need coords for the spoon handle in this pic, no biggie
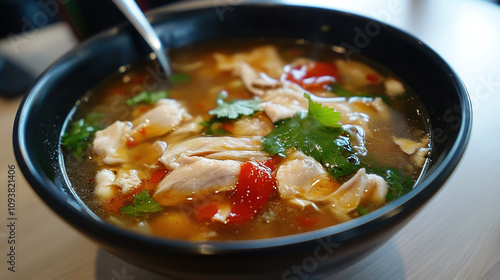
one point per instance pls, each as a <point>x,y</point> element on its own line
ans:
<point>134,14</point>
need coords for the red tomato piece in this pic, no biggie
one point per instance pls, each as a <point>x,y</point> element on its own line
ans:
<point>372,78</point>
<point>255,185</point>
<point>313,75</point>
<point>206,212</point>
<point>157,176</point>
<point>306,222</point>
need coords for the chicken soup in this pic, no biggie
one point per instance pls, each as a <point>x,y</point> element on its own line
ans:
<point>248,139</point>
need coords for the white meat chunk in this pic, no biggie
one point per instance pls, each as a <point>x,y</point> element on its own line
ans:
<point>393,87</point>
<point>353,74</point>
<point>418,151</point>
<point>256,83</point>
<point>263,58</point>
<point>301,178</point>
<point>256,125</point>
<point>360,188</point>
<point>297,175</point>
<point>107,182</point>
<point>104,179</point>
<point>196,175</point>
<point>128,180</point>
<point>232,148</point>
<point>164,117</point>
<point>284,102</point>
<point>108,140</point>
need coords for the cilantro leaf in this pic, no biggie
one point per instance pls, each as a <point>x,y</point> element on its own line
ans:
<point>340,91</point>
<point>179,78</point>
<point>77,138</point>
<point>143,203</point>
<point>235,108</point>
<point>318,134</point>
<point>147,97</point>
<point>398,184</point>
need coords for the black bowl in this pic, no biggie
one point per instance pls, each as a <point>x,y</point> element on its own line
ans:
<point>310,255</point>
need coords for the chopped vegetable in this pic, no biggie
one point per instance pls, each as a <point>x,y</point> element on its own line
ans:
<point>340,91</point>
<point>313,75</point>
<point>398,184</point>
<point>77,139</point>
<point>206,211</point>
<point>236,108</point>
<point>362,210</point>
<point>318,134</point>
<point>180,78</point>
<point>221,122</point>
<point>143,203</point>
<point>306,222</point>
<point>215,126</point>
<point>254,186</point>
<point>147,97</point>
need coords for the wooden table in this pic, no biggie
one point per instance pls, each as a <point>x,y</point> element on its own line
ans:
<point>456,235</point>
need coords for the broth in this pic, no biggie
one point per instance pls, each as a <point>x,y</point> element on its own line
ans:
<point>129,167</point>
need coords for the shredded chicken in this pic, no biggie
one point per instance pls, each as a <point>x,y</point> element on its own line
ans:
<point>301,177</point>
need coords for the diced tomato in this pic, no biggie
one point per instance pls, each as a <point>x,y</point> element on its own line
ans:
<point>130,142</point>
<point>254,186</point>
<point>157,176</point>
<point>307,222</point>
<point>206,212</point>
<point>372,78</point>
<point>228,126</point>
<point>114,204</point>
<point>313,75</point>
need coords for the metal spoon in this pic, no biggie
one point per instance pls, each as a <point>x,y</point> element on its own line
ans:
<point>134,14</point>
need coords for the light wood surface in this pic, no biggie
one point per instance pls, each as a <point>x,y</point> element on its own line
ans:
<point>456,235</point>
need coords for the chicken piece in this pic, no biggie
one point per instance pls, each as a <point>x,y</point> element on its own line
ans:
<point>298,175</point>
<point>163,118</point>
<point>284,102</point>
<point>256,83</point>
<point>231,148</point>
<point>301,177</point>
<point>393,87</point>
<point>108,181</point>
<point>166,115</point>
<point>264,58</point>
<point>104,180</point>
<point>354,74</point>
<point>358,190</point>
<point>418,151</point>
<point>259,125</point>
<point>196,176</point>
<point>108,140</point>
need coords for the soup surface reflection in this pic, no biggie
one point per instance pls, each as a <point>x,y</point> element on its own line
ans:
<point>248,140</point>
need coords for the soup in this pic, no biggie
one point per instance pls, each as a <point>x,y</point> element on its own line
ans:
<point>249,139</point>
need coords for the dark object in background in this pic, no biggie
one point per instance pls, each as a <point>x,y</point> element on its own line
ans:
<point>88,17</point>
<point>18,16</point>
<point>14,80</point>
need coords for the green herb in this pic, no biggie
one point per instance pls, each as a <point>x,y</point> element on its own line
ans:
<point>362,210</point>
<point>180,78</point>
<point>340,91</point>
<point>212,126</point>
<point>147,97</point>
<point>228,111</point>
<point>143,203</point>
<point>77,138</point>
<point>398,184</point>
<point>235,108</point>
<point>318,134</point>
